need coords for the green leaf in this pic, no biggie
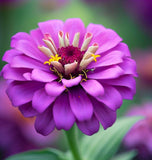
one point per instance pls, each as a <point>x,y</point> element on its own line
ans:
<point>125,156</point>
<point>104,144</point>
<point>46,154</point>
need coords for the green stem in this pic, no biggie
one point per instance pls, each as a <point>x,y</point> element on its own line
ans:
<point>73,145</point>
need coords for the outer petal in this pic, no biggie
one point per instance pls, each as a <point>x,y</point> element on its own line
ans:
<point>106,38</point>
<point>27,110</point>
<point>108,73</point>
<point>42,76</point>
<point>37,36</point>
<point>52,27</point>
<point>80,104</point>
<point>93,87</point>
<point>73,26</point>
<point>126,93</point>
<point>20,36</point>
<point>105,115</point>
<point>54,89</point>
<point>41,100</point>
<point>14,73</point>
<point>123,48</point>
<point>63,116</point>
<point>125,85</point>
<point>129,66</point>
<point>112,58</point>
<point>44,123</point>
<point>31,50</point>
<point>10,54</point>
<point>89,127</point>
<point>26,62</point>
<point>72,82</point>
<point>111,98</point>
<point>23,92</point>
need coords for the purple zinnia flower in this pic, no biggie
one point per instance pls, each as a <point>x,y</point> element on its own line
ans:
<point>64,73</point>
<point>140,136</point>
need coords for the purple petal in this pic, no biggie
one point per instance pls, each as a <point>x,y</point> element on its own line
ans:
<point>89,127</point>
<point>126,93</point>
<point>63,116</point>
<point>105,115</point>
<point>114,57</point>
<point>95,29</point>
<point>27,76</point>
<point>54,89</point>
<point>44,123</point>
<point>10,54</point>
<point>71,82</point>
<point>109,73</point>
<point>22,92</point>
<point>20,36</point>
<point>37,36</point>
<point>123,48</point>
<point>129,66</point>
<point>126,85</point>
<point>41,100</point>
<point>26,62</point>
<point>42,76</point>
<point>80,104</point>
<point>93,87</point>
<point>31,50</point>
<point>14,73</point>
<point>27,110</point>
<point>73,26</point>
<point>111,98</point>
<point>106,38</point>
<point>52,27</point>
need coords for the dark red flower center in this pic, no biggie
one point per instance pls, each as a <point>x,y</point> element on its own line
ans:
<point>70,54</point>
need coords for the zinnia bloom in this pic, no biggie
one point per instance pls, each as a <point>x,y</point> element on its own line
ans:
<point>64,73</point>
<point>140,136</point>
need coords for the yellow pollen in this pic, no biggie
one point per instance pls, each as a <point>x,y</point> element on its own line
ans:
<point>53,58</point>
<point>95,56</point>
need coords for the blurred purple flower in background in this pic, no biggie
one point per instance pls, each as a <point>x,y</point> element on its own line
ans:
<point>144,65</point>
<point>64,73</point>
<point>140,136</point>
<point>10,3</point>
<point>17,133</point>
<point>141,10</point>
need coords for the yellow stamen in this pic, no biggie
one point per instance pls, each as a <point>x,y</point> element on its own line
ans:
<point>47,62</point>
<point>95,56</point>
<point>53,58</point>
<point>85,74</point>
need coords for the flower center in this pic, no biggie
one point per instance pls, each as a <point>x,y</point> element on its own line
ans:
<point>70,54</point>
<point>69,61</point>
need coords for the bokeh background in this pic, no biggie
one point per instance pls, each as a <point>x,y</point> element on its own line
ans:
<point>131,19</point>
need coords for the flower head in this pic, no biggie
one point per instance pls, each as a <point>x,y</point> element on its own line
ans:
<point>64,73</point>
<point>140,136</point>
